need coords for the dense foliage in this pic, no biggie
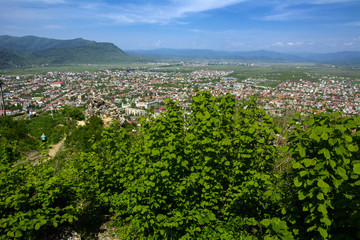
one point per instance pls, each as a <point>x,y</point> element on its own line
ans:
<point>73,113</point>
<point>325,176</point>
<point>210,174</point>
<point>82,137</point>
<point>16,133</point>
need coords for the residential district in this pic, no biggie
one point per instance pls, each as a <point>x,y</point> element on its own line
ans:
<point>139,92</point>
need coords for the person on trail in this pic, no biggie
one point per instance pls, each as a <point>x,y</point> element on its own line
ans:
<point>43,138</point>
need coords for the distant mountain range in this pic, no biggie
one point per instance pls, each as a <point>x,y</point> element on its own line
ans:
<point>259,56</point>
<point>32,50</point>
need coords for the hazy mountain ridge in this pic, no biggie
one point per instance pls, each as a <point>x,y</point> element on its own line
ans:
<point>337,57</point>
<point>23,45</point>
<point>30,50</point>
<point>37,50</point>
<point>260,55</point>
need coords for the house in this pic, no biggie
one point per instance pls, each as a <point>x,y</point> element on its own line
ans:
<point>134,111</point>
<point>146,105</point>
<point>57,84</point>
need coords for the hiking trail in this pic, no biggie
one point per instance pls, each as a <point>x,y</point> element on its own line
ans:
<point>56,147</point>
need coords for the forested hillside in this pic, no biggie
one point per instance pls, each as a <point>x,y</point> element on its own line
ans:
<point>27,44</point>
<point>225,171</point>
<point>90,54</point>
<point>32,50</point>
<point>8,60</point>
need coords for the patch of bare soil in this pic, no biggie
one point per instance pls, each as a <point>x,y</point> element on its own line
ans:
<point>81,123</point>
<point>56,148</point>
<point>104,234</point>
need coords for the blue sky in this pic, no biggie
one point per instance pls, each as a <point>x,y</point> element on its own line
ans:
<point>231,25</point>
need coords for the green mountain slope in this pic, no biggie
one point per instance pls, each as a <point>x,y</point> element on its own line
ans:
<point>37,50</point>
<point>8,60</point>
<point>89,54</point>
<point>23,45</point>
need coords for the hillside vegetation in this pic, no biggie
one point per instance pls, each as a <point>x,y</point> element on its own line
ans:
<point>39,51</point>
<point>10,60</point>
<point>104,53</point>
<point>27,44</point>
<point>226,171</point>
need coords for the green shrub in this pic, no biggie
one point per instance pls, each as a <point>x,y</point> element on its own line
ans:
<point>210,174</point>
<point>325,175</point>
<point>34,201</point>
<point>11,129</point>
<point>82,137</point>
<point>190,174</point>
<point>73,112</point>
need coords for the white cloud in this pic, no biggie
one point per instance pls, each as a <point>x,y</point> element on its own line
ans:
<point>283,13</point>
<point>40,1</point>
<point>311,2</point>
<point>279,17</point>
<point>163,13</point>
<point>237,44</point>
<point>90,5</point>
<point>53,27</point>
<point>193,6</point>
<point>328,1</point>
<point>294,43</point>
<point>157,44</point>
<point>352,24</point>
<point>290,44</point>
<point>279,44</point>
<point>181,23</point>
<point>288,9</point>
<point>53,1</point>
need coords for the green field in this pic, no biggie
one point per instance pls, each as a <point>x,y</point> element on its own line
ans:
<point>269,74</point>
<point>273,71</point>
<point>69,68</point>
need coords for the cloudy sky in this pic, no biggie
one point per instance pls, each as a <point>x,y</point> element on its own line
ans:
<point>232,25</point>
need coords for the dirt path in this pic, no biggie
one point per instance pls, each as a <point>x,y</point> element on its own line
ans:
<point>81,123</point>
<point>56,148</point>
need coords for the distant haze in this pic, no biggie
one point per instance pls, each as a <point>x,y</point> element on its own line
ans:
<point>28,50</point>
<point>321,26</point>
